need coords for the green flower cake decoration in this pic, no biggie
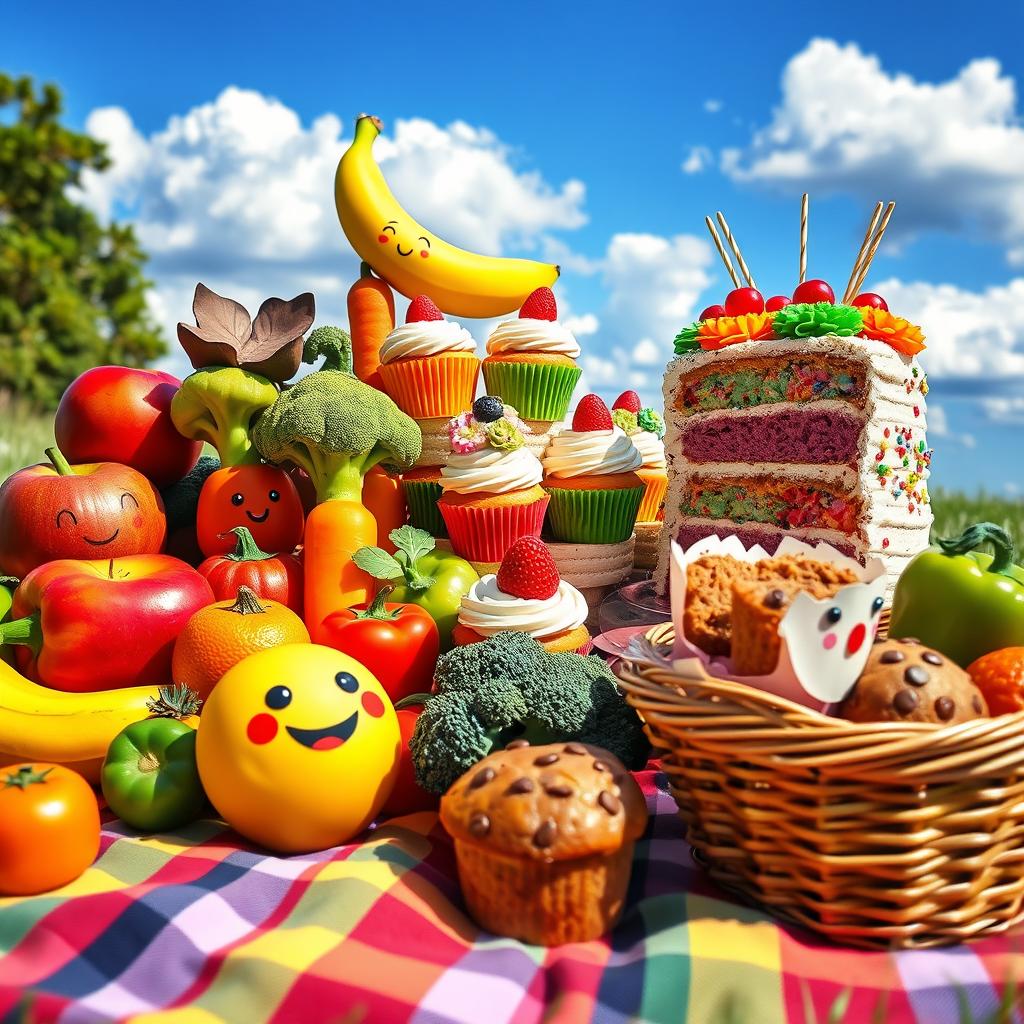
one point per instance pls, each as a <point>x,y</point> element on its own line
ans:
<point>686,339</point>
<point>814,320</point>
<point>504,435</point>
<point>625,420</point>
<point>651,421</point>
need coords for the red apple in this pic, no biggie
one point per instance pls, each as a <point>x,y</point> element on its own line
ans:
<point>120,414</point>
<point>744,300</point>
<point>814,290</point>
<point>712,313</point>
<point>777,302</point>
<point>870,299</point>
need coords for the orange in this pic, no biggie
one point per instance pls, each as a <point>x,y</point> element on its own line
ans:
<point>220,635</point>
<point>1000,677</point>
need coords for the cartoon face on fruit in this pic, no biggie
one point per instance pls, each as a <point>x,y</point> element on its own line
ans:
<point>389,235</point>
<point>298,747</point>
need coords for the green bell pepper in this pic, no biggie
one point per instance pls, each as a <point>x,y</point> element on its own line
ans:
<point>960,601</point>
<point>150,778</point>
<point>8,584</point>
<point>435,580</point>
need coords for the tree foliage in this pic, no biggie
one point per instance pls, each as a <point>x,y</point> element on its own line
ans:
<point>72,290</point>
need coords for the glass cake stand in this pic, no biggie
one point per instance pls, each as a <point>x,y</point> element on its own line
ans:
<point>625,612</point>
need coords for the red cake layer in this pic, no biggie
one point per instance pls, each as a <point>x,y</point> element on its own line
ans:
<point>795,435</point>
<point>693,532</point>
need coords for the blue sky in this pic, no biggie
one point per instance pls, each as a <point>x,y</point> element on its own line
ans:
<point>590,135</point>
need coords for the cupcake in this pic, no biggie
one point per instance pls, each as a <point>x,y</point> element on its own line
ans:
<point>528,596</point>
<point>544,839</point>
<point>531,360</point>
<point>590,474</point>
<point>429,365</point>
<point>422,488</point>
<point>490,486</point>
<point>645,428</point>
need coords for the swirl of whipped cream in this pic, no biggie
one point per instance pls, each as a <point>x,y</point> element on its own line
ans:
<point>528,335</point>
<point>425,338</point>
<point>580,453</point>
<point>487,610</point>
<point>651,448</point>
<point>491,470</point>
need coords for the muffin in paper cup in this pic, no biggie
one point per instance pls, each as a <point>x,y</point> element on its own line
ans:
<point>539,386</point>
<point>594,510</point>
<point>483,528</point>
<point>434,386</point>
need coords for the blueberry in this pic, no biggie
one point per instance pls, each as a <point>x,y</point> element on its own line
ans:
<point>488,409</point>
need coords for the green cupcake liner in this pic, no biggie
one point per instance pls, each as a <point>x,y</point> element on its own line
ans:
<point>537,391</point>
<point>421,497</point>
<point>594,517</point>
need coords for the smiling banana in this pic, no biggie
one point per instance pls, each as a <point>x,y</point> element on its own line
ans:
<point>413,260</point>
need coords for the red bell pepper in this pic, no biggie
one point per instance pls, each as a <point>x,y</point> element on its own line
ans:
<point>86,625</point>
<point>408,795</point>
<point>398,643</point>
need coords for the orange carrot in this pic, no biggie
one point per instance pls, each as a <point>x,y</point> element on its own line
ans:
<point>334,530</point>
<point>383,496</point>
<point>371,317</point>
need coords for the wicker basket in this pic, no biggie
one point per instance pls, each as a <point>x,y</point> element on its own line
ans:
<point>882,835</point>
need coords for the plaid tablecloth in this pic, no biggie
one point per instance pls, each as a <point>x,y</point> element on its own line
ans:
<point>196,928</point>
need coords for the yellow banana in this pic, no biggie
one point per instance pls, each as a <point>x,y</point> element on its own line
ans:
<point>413,260</point>
<point>73,729</point>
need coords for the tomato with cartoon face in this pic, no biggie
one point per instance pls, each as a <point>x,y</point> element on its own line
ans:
<point>261,498</point>
<point>298,748</point>
<point>55,510</point>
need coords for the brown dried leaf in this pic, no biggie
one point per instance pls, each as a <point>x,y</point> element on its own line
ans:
<point>220,318</point>
<point>203,350</point>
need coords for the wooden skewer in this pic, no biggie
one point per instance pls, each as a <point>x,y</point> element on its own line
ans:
<point>803,239</point>
<point>849,293</point>
<point>721,252</point>
<point>874,248</point>
<point>734,245</point>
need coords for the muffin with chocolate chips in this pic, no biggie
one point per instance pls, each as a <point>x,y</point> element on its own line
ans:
<point>904,681</point>
<point>544,840</point>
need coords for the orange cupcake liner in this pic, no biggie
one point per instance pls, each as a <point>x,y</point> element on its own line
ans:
<point>656,484</point>
<point>433,387</point>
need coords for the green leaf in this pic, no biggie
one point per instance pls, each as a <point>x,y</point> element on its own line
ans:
<point>413,543</point>
<point>378,563</point>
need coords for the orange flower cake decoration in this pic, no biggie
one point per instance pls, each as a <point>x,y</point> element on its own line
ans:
<point>896,332</point>
<point>731,330</point>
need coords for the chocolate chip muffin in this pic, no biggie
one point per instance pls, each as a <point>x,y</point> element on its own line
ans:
<point>904,681</point>
<point>544,840</point>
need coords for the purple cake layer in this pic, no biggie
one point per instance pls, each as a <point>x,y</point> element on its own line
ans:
<point>693,532</point>
<point>805,436</point>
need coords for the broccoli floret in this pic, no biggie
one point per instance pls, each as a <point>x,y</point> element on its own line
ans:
<point>333,344</point>
<point>508,687</point>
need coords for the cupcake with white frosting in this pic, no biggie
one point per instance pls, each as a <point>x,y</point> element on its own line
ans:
<point>526,595</point>
<point>429,365</point>
<point>490,486</point>
<point>645,428</point>
<point>531,360</point>
<point>590,473</point>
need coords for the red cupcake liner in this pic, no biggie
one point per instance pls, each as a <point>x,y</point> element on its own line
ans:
<point>485,534</point>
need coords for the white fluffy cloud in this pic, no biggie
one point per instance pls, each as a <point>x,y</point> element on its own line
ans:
<point>938,426</point>
<point>1005,409</point>
<point>949,153</point>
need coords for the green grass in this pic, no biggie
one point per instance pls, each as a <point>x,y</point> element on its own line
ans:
<point>23,435</point>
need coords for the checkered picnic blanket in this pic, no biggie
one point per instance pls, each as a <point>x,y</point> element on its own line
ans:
<point>196,928</point>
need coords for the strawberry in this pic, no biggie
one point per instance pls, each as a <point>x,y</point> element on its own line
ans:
<point>422,308</point>
<point>628,400</point>
<point>528,570</point>
<point>539,305</point>
<point>591,414</point>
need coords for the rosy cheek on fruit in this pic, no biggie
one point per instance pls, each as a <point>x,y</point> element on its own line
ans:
<point>424,253</point>
<point>137,522</point>
<point>372,704</point>
<point>856,638</point>
<point>829,642</point>
<point>262,729</point>
<point>383,239</point>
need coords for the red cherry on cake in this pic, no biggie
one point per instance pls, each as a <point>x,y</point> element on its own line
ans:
<point>712,313</point>
<point>591,414</point>
<point>777,302</point>
<point>421,309</point>
<point>539,305</point>
<point>628,400</point>
<point>870,299</point>
<point>744,300</point>
<point>814,290</point>
<point>528,571</point>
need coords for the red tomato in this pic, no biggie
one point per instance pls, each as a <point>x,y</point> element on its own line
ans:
<point>744,300</point>
<point>273,577</point>
<point>408,796</point>
<point>49,828</point>
<point>814,290</point>
<point>712,312</point>
<point>776,302</point>
<point>398,643</point>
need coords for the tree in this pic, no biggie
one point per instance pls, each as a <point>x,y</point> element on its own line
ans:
<point>72,291</point>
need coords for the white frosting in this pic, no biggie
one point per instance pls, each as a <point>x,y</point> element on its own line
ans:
<point>528,335</point>
<point>487,610</point>
<point>493,471</point>
<point>425,338</point>
<point>580,453</point>
<point>650,447</point>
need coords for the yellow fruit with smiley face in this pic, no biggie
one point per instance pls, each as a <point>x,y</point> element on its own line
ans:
<point>298,747</point>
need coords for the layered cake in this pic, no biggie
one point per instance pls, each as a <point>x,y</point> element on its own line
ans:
<point>808,421</point>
